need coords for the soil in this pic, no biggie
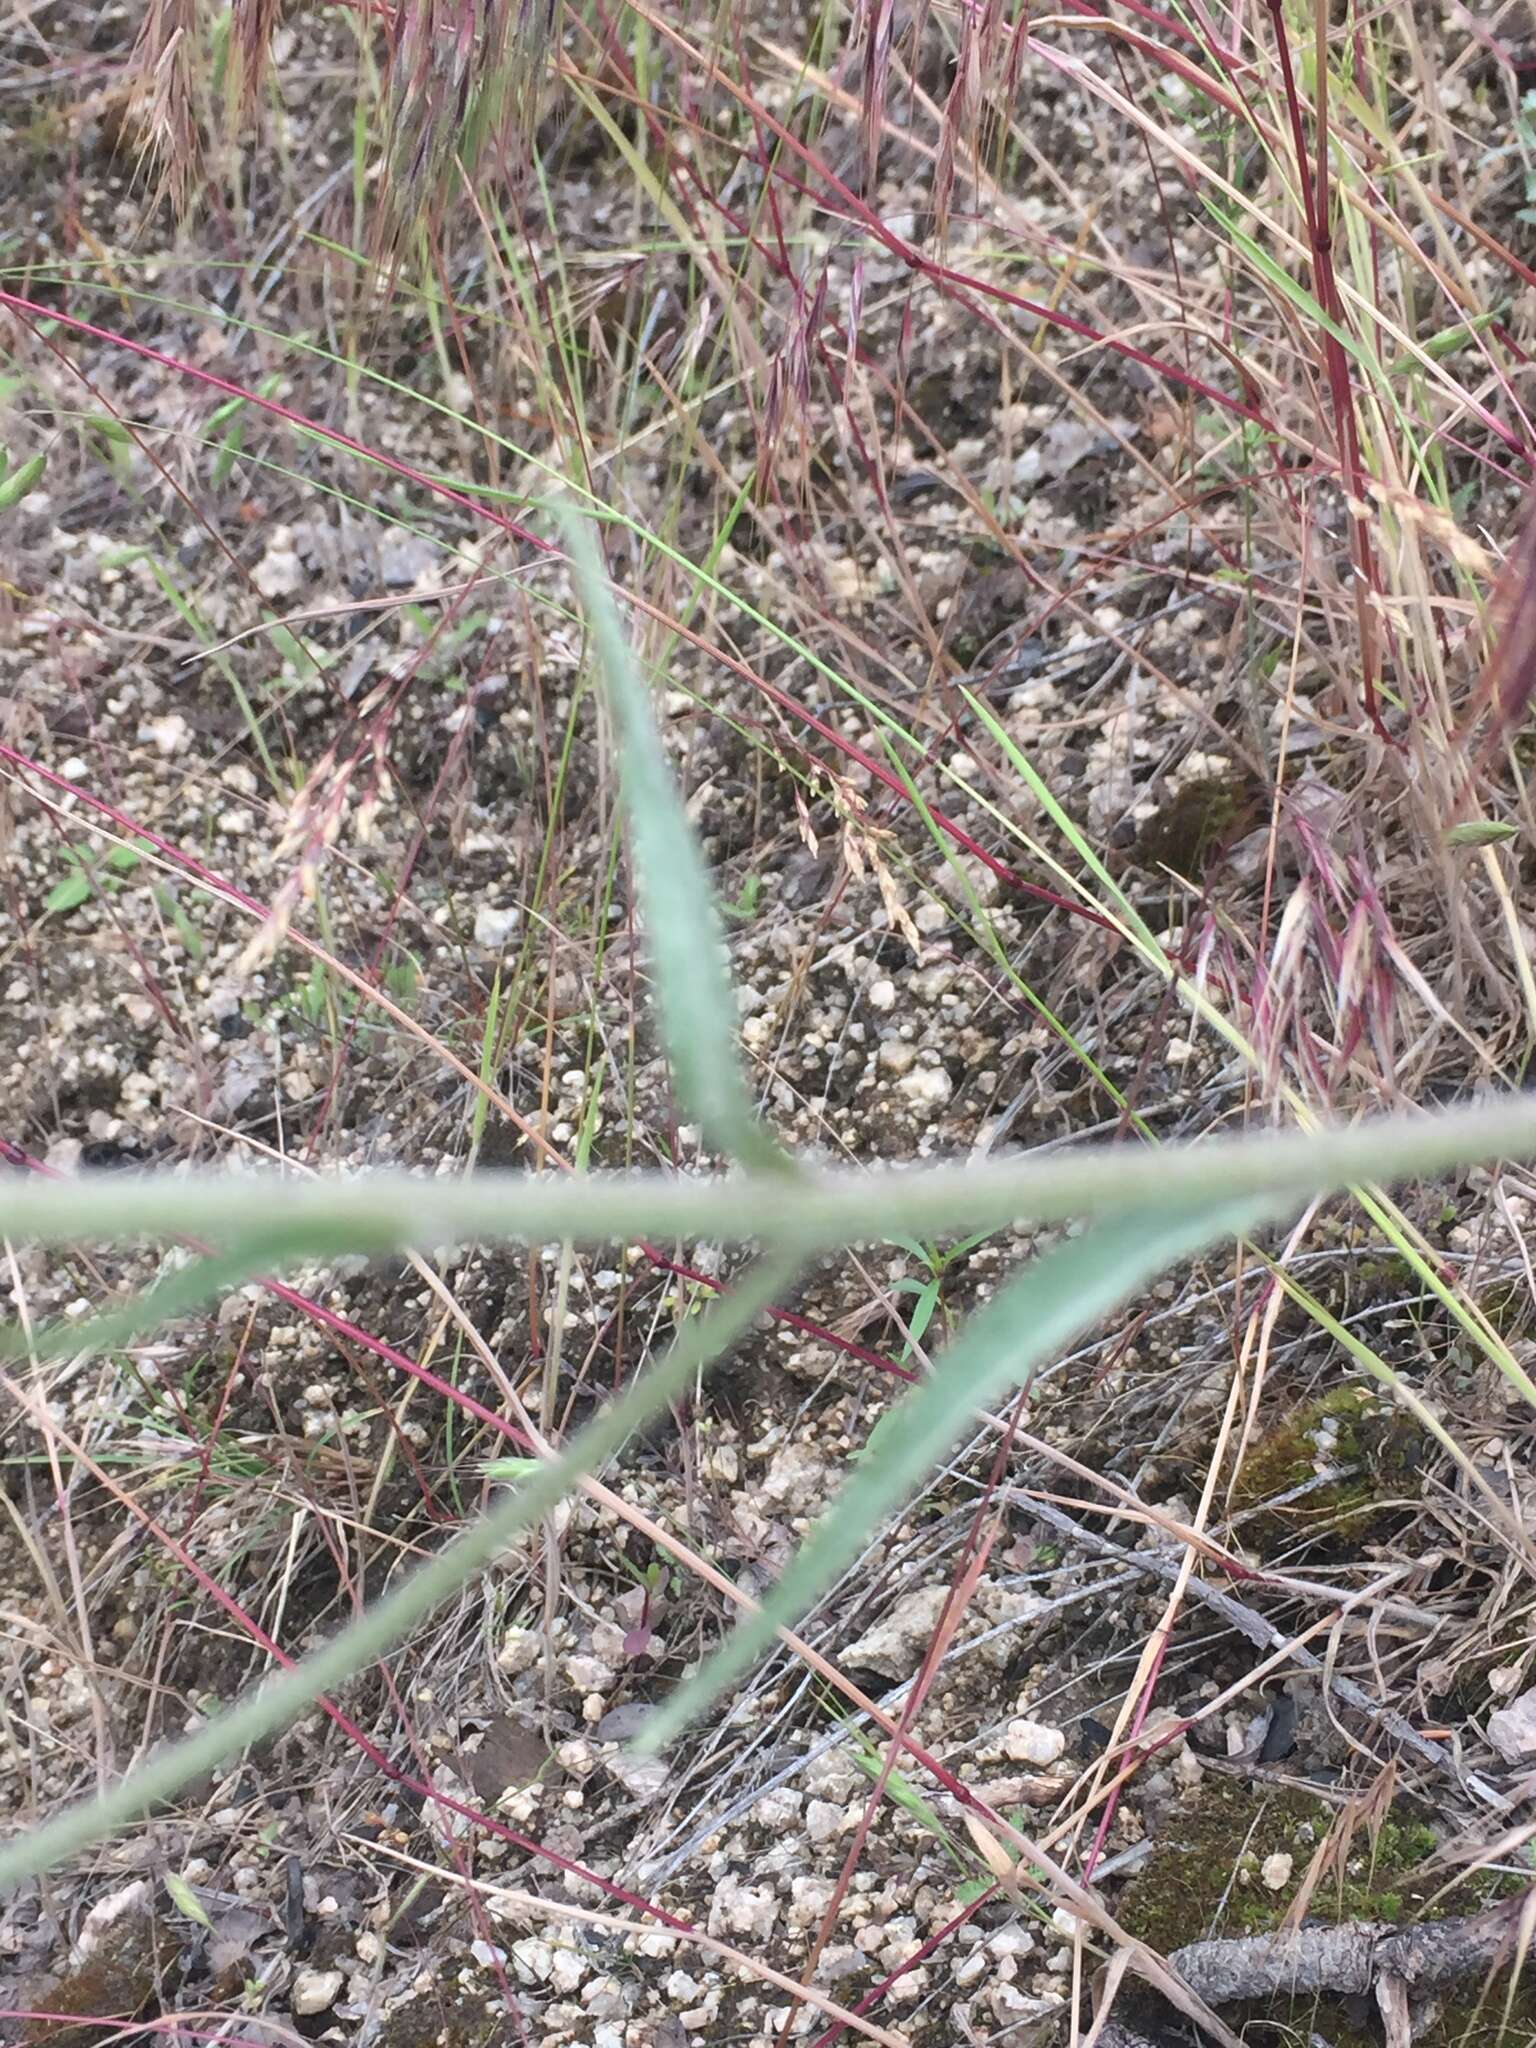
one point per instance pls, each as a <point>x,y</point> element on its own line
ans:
<point>287,733</point>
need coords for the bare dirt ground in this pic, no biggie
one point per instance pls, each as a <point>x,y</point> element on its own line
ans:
<point>310,835</point>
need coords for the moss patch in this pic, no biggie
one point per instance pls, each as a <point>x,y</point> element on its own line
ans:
<point>1198,824</point>
<point>1205,1881</point>
<point>1374,1448</point>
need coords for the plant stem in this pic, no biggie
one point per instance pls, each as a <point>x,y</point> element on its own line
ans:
<point>396,1210</point>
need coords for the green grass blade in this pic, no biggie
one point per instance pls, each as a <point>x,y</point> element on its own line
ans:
<point>1057,1296</point>
<point>172,1297</point>
<point>694,1002</point>
<point>382,1624</point>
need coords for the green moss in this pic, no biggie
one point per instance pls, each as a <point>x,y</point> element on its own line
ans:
<point>1205,1880</point>
<point>1374,1447</point>
<point>1198,824</point>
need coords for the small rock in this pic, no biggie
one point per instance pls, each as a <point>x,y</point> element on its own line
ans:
<point>927,1087</point>
<point>406,558</point>
<point>720,1461</point>
<point>809,1897</point>
<point>622,1724</point>
<point>169,734</point>
<point>823,1820</point>
<point>738,1908</point>
<point>604,1999</point>
<point>315,1990</point>
<point>641,1776</point>
<point>1188,1770</point>
<point>278,574</point>
<point>494,925</point>
<point>1276,1871</point>
<point>589,1674</point>
<point>1009,2007</point>
<point>1033,1742</point>
<point>567,1970</point>
<point>1512,1730</point>
<point>798,1477</point>
<point>533,1959</point>
<point>895,1646</point>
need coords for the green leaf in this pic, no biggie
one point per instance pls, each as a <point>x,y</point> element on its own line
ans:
<point>510,1469</point>
<point>185,1899</point>
<point>922,1315</point>
<point>186,930</point>
<point>386,1620</point>
<point>1446,342</point>
<point>176,1295</point>
<point>15,484</point>
<point>69,894</point>
<point>903,1792</point>
<point>923,1253</point>
<point>1481,832</point>
<point>1058,1295</point>
<point>108,429</point>
<point>695,1005</point>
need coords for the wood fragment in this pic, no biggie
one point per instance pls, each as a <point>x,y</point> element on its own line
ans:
<point>1349,1961</point>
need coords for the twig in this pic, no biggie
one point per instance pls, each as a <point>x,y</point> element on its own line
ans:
<point>1269,1637</point>
<point>1348,1960</point>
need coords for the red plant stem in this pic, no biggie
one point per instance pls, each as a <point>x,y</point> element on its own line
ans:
<point>1314,198</point>
<point>30,310</point>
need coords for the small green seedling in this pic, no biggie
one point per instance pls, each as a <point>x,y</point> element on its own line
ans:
<point>87,877</point>
<point>15,483</point>
<point>937,1261</point>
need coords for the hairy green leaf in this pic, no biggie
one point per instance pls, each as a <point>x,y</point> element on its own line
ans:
<point>695,1006</point>
<point>381,1625</point>
<point>1058,1295</point>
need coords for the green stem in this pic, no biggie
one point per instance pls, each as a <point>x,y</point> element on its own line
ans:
<point>375,1211</point>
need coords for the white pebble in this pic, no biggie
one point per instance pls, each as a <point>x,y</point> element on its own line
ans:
<point>1032,1742</point>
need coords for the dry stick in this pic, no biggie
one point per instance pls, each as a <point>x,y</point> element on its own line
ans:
<point>1348,1960</point>
<point>1267,1636</point>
